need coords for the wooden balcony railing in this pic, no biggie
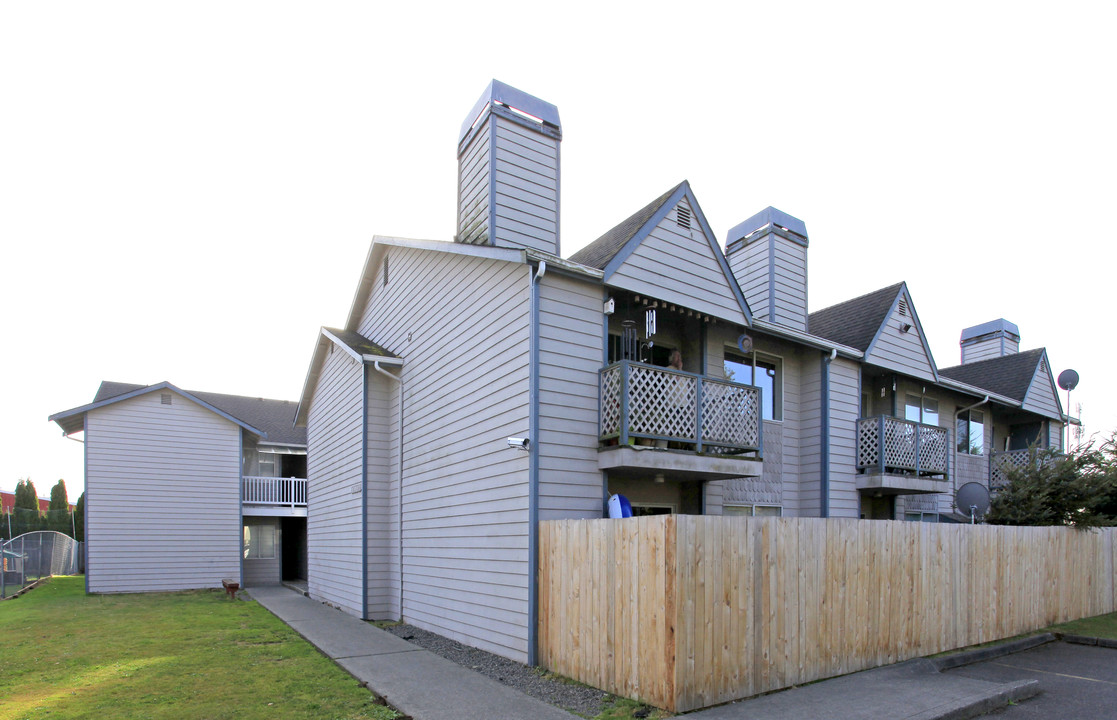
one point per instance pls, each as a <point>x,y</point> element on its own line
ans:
<point>891,445</point>
<point>645,401</point>
<point>287,492</point>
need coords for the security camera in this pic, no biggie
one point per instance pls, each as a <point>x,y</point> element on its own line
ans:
<point>518,443</point>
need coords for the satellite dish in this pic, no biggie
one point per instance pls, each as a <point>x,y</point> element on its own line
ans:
<point>972,499</point>
<point>1068,380</point>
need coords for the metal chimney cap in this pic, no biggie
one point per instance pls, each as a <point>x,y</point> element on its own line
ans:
<point>992,327</point>
<point>502,94</point>
<point>768,216</point>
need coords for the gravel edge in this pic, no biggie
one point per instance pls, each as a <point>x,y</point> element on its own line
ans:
<point>573,697</point>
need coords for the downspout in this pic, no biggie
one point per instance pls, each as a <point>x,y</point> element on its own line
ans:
<point>533,472</point>
<point>399,382</point>
<point>240,504</point>
<point>824,469</point>
<point>84,507</point>
<point>364,491</point>
<point>954,475</point>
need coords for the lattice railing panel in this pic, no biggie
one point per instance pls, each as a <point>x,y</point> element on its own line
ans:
<point>730,415</point>
<point>661,403</point>
<point>934,448</point>
<point>1000,463</point>
<point>868,442</point>
<point>899,444</point>
<point>611,401</point>
<point>664,404</point>
<point>908,446</point>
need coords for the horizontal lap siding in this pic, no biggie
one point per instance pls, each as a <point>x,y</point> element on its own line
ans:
<point>791,284</point>
<point>164,496</point>
<point>845,402</point>
<point>461,325</point>
<point>526,186</point>
<point>1041,396</point>
<point>810,465</point>
<point>679,266</point>
<point>473,191</point>
<point>569,361</point>
<point>382,523</point>
<point>750,266</point>
<point>334,469</point>
<point>900,351</point>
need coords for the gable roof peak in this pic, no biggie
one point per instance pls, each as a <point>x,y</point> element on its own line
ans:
<point>601,251</point>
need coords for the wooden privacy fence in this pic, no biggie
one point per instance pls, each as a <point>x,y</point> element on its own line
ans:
<point>684,612</point>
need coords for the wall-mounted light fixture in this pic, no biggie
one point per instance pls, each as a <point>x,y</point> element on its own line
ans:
<point>906,327</point>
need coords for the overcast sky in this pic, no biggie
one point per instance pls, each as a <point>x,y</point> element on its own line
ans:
<point>188,190</point>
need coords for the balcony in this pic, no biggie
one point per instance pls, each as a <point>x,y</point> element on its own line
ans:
<point>1001,462</point>
<point>273,496</point>
<point>705,428</point>
<point>899,456</point>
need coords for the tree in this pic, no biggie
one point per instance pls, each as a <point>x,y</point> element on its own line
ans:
<point>58,512</point>
<point>79,519</point>
<point>1078,489</point>
<point>26,508</point>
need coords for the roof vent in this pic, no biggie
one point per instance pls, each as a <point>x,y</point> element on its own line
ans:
<point>682,217</point>
<point>165,398</point>
<point>903,307</point>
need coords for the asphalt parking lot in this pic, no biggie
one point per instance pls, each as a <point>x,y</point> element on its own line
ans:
<point>1077,681</point>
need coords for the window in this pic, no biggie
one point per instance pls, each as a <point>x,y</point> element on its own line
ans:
<point>646,509</point>
<point>753,510</point>
<point>259,542</point>
<point>267,464</point>
<point>921,517</point>
<point>921,410</point>
<point>763,372</point>
<point>971,432</point>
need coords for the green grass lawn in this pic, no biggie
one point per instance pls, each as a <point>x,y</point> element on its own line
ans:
<point>1102,626</point>
<point>65,654</point>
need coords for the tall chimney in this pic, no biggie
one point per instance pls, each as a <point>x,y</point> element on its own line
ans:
<point>768,255</point>
<point>508,171</point>
<point>993,339</point>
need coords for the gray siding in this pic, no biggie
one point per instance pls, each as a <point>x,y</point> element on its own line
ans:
<point>570,355</point>
<point>526,183</point>
<point>1055,435</point>
<point>989,348</point>
<point>845,402</point>
<point>508,187</point>
<point>164,496</point>
<point>383,501</point>
<point>263,571</point>
<point>810,467</point>
<point>334,467</point>
<point>678,266</point>
<point>462,326</point>
<point>901,351</point>
<point>473,191</point>
<point>772,273</point>
<point>1041,398</point>
<point>779,484</point>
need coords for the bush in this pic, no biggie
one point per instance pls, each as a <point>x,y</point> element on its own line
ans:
<point>1078,489</point>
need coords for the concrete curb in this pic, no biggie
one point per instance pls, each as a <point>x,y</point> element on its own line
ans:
<point>1086,640</point>
<point>1012,692</point>
<point>989,653</point>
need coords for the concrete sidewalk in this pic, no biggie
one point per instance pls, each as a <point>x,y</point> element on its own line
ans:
<point>429,687</point>
<point>912,690</point>
<point>413,680</point>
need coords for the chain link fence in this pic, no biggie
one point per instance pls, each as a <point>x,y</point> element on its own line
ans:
<point>33,556</point>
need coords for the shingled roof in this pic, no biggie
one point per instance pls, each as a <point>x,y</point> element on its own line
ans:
<point>274,417</point>
<point>1010,375</point>
<point>601,251</point>
<point>854,322</point>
